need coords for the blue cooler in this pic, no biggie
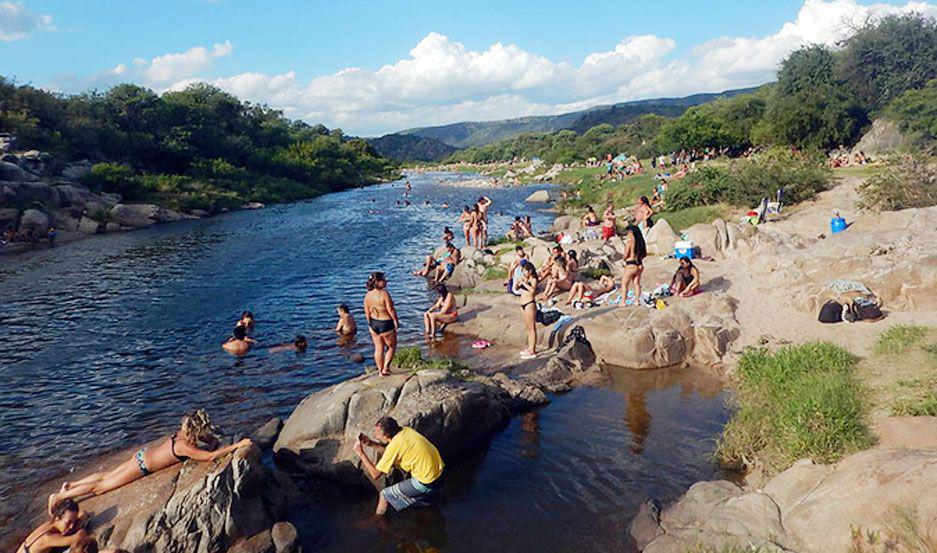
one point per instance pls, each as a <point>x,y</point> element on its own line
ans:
<point>837,224</point>
<point>683,249</point>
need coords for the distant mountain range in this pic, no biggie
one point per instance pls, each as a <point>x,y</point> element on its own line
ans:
<point>434,143</point>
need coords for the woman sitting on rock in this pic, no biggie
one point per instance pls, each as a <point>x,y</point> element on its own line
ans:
<point>590,219</point>
<point>179,447</point>
<point>447,264</point>
<point>584,292</point>
<point>64,530</point>
<point>686,280</point>
<point>445,311</point>
<point>560,279</point>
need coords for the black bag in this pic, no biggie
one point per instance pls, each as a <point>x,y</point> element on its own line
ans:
<point>548,317</point>
<point>831,312</point>
<point>865,310</point>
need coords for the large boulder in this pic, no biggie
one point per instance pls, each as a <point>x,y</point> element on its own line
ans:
<point>808,508</point>
<point>13,172</point>
<point>464,276</point>
<point>884,136</point>
<point>194,506</point>
<point>538,197</point>
<point>660,238</point>
<point>76,171</point>
<point>141,215</point>
<point>35,221</point>
<point>318,437</point>
<point>9,217</point>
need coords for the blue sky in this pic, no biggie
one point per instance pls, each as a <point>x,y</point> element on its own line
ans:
<point>375,67</point>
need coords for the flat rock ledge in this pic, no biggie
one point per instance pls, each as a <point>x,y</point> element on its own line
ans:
<point>204,507</point>
<point>807,508</point>
<point>453,411</point>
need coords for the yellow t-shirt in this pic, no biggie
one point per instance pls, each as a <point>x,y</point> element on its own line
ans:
<point>413,453</point>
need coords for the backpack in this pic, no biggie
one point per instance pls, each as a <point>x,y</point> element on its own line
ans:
<point>865,310</point>
<point>548,317</point>
<point>831,312</point>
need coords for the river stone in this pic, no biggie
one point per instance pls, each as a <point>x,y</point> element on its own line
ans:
<point>36,221</point>
<point>284,537</point>
<point>645,526</point>
<point>76,171</point>
<point>134,215</point>
<point>192,506</point>
<point>13,172</point>
<point>660,238</point>
<point>88,226</point>
<point>464,276</point>
<point>540,196</point>
<point>261,542</point>
<point>266,435</point>
<point>317,438</point>
<point>112,227</point>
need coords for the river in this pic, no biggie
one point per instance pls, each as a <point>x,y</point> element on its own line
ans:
<point>106,342</point>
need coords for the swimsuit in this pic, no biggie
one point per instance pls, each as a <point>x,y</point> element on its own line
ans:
<point>179,458</point>
<point>141,462</point>
<point>381,326</point>
<point>634,262</point>
<point>524,305</point>
<point>26,547</point>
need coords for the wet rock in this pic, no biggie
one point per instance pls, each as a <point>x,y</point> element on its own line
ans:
<point>645,526</point>
<point>89,226</point>
<point>284,537</point>
<point>356,358</point>
<point>266,435</point>
<point>193,506</point>
<point>134,215</point>
<point>253,205</point>
<point>317,438</point>
<point>540,196</point>
<point>568,367</point>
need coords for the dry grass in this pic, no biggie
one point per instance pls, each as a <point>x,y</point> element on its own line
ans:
<point>902,372</point>
<point>902,531</point>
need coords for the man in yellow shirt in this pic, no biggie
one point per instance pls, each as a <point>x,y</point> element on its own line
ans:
<point>408,450</point>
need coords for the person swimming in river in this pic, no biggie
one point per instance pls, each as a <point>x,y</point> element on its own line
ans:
<point>299,345</point>
<point>528,289</point>
<point>62,530</point>
<point>443,311</point>
<point>238,343</point>
<point>346,322</point>
<point>382,322</point>
<point>247,321</point>
<point>686,281</point>
<point>174,449</point>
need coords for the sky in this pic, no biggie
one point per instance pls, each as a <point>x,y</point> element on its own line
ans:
<point>377,67</point>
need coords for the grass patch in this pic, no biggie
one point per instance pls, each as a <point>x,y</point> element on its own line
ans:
<point>925,406</point>
<point>683,219</point>
<point>495,273</point>
<point>594,274</point>
<point>504,240</point>
<point>902,531</point>
<point>899,339</point>
<point>800,401</point>
<point>411,357</point>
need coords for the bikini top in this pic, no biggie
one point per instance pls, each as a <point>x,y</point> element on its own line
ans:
<point>182,458</point>
<point>27,546</point>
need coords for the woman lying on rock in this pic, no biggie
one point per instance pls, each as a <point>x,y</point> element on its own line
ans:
<point>175,449</point>
<point>686,280</point>
<point>585,292</point>
<point>64,530</point>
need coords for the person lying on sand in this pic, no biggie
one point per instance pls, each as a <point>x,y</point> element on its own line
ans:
<point>177,448</point>
<point>442,311</point>
<point>239,344</point>
<point>346,323</point>
<point>686,280</point>
<point>61,531</point>
<point>581,291</point>
<point>299,344</point>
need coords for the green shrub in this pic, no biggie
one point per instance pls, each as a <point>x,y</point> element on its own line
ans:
<point>411,357</point>
<point>801,401</point>
<point>112,178</point>
<point>594,274</point>
<point>915,111</point>
<point>907,184</point>
<point>496,273</point>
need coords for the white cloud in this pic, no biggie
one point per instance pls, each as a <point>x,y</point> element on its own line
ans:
<point>442,81</point>
<point>17,23</point>
<point>170,68</point>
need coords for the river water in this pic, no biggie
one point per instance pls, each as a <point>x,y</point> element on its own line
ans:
<point>106,342</point>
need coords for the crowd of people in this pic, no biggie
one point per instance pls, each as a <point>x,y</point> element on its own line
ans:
<point>841,157</point>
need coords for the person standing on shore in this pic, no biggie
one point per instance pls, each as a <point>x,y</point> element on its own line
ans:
<point>408,450</point>
<point>484,202</point>
<point>635,252</point>
<point>528,290</point>
<point>382,322</point>
<point>466,219</point>
<point>608,223</point>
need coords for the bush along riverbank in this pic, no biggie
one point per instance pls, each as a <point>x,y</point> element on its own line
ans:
<point>67,161</point>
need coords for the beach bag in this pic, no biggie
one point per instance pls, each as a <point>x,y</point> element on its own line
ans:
<point>865,310</point>
<point>831,312</point>
<point>548,317</point>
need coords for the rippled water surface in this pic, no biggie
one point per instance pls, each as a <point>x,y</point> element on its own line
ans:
<point>105,342</point>
<point>566,478</point>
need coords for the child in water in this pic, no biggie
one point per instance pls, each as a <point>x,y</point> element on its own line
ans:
<point>346,326</point>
